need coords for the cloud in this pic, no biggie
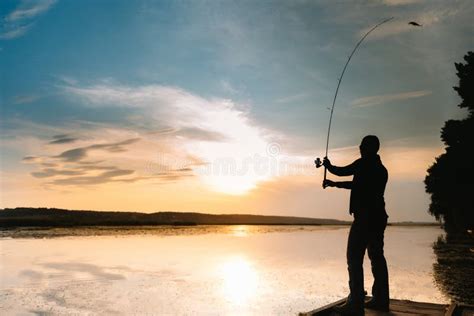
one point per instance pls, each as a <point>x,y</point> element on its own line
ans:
<point>180,111</point>
<point>80,166</point>
<point>92,165</point>
<point>114,147</point>
<point>400,2</point>
<point>20,99</point>
<point>187,138</point>
<point>386,98</point>
<point>228,87</point>
<point>84,174</point>
<point>292,98</point>
<point>49,164</point>
<point>201,134</point>
<point>76,154</point>
<point>50,172</point>
<point>19,21</point>
<point>72,155</point>
<point>214,129</point>
<point>62,139</point>
<point>60,136</point>
<point>107,176</point>
<point>116,173</point>
<point>15,32</point>
<point>71,166</point>
<point>30,159</point>
<point>29,9</point>
<point>113,174</point>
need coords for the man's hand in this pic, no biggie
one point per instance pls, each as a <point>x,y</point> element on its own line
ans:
<point>326,162</point>
<point>328,183</point>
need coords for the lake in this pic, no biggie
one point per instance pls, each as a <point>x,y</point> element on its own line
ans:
<point>204,270</point>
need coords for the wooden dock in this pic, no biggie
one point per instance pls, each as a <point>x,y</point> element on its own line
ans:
<point>402,308</point>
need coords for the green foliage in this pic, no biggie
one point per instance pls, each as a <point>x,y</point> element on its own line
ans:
<point>466,79</point>
<point>450,178</point>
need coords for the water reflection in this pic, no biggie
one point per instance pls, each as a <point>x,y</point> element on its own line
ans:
<point>240,230</point>
<point>273,270</point>
<point>454,268</point>
<point>240,280</point>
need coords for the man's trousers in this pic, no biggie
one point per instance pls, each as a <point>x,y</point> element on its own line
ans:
<point>367,234</point>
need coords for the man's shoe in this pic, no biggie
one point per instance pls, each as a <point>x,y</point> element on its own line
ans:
<point>349,309</point>
<point>376,305</point>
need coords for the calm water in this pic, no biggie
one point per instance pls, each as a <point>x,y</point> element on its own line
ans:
<point>205,270</point>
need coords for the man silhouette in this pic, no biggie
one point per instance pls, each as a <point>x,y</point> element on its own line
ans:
<point>367,230</point>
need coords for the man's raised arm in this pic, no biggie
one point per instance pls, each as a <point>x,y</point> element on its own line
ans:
<point>339,171</point>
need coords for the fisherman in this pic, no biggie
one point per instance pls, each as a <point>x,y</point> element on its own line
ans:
<point>367,230</point>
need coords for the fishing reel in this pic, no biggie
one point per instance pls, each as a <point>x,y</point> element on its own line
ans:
<point>318,163</point>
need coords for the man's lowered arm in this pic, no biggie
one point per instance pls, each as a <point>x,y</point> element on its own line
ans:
<point>338,184</point>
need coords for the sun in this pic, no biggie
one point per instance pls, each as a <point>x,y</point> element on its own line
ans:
<point>233,185</point>
<point>235,168</point>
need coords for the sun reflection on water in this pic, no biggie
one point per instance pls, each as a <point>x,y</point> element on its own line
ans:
<point>240,280</point>
<point>240,230</point>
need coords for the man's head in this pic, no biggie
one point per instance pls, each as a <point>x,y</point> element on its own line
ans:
<point>369,146</point>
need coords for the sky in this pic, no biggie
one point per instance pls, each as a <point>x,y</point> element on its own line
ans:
<point>221,106</point>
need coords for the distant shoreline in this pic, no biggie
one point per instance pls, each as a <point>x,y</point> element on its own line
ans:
<point>63,218</point>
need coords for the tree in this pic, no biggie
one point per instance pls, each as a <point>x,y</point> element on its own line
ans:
<point>450,180</point>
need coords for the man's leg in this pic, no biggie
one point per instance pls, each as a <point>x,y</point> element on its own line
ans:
<point>356,245</point>
<point>380,288</point>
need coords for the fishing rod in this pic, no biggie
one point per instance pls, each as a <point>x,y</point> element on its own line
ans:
<point>318,161</point>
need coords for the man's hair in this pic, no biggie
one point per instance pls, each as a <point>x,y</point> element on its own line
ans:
<point>371,143</point>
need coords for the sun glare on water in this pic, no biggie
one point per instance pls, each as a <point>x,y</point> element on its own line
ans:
<point>239,280</point>
<point>240,230</point>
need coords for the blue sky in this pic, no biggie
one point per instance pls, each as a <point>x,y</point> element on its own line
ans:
<point>221,79</point>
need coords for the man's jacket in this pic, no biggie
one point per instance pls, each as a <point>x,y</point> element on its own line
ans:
<point>368,186</point>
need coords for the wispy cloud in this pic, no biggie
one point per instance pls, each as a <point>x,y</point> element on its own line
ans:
<point>62,139</point>
<point>21,99</point>
<point>214,130</point>
<point>292,98</point>
<point>400,2</point>
<point>228,87</point>
<point>19,21</point>
<point>81,167</point>
<point>29,9</point>
<point>29,159</point>
<point>104,177</point>
<point>201,134</point>
<point>76,154</point>
<point>50,172</point>
<point>11,32</point>
<point>386,98</point>
<point>189,138</point>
